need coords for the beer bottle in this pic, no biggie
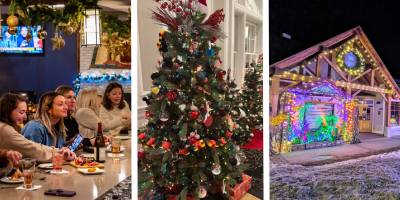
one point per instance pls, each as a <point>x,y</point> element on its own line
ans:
<point>100,145</point>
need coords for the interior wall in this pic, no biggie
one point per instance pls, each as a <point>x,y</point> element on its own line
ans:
<point>40,73</point>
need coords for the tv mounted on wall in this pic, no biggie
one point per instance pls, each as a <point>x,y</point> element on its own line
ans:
<point>18,44</point>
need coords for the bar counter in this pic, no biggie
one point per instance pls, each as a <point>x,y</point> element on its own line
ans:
<point>86,186</point>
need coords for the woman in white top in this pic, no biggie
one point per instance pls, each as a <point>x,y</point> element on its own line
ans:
<point>114,106</point>
<point>87,115</point>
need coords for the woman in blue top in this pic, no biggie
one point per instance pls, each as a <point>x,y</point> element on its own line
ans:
<point>48,126</point>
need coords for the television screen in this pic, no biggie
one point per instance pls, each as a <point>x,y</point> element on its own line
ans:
<point>24,41</point>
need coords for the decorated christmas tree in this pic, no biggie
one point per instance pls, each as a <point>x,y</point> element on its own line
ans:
<point>186,147</point>
<point>250,103</point>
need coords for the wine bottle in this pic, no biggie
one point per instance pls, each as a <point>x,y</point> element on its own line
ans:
<point>100,145</point>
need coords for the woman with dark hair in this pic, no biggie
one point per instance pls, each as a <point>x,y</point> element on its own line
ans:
<point>114,106</point>
<point>71,126</point>
<point>48,125</point>
<point>12,114</point>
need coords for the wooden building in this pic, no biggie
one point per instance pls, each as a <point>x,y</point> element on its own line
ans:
<point>350,62</point>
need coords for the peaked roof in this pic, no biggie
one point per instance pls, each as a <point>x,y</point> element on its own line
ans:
<point>318,88</point>
<point>330,43</point>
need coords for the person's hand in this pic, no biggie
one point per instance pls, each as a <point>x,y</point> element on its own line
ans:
<point>107,139</point>
<point>14,157</point>
<point>68,154</point>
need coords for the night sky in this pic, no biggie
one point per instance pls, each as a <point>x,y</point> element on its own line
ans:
<point>310,22</point>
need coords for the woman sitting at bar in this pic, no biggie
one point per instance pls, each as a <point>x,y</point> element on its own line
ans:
<point>71,126</point>
<point>114,106</point>
<point>87,115</point>
<point>48,126</point>
<point>12,115</point>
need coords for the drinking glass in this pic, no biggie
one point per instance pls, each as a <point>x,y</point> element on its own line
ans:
<point>57,161</point>
<point>28,167</point>
<point>115,145</point>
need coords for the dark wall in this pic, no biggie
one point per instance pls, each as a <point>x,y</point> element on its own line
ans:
<point>40,73</point>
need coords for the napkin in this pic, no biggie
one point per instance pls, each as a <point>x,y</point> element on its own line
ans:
<point>34,187</point>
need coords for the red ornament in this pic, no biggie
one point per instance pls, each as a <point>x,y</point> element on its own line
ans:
<point>183,152</point>
<point>214,39</point>
<point>208,121</point>
<point>221,74</point>
<point>212,143</point>
<point>151,141</point>
<point>164,5</point>
<point>147,114</point>
<point>222,141</point>
<point>228,134</point>
<point>166,145</point>
<point>171,95</point>
<point>141,154</point>
<point>141,136</point>
<point>178,9</point>
<point>194,115</point>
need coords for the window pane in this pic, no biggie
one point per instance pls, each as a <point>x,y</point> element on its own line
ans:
<point>395,113</point>
<point>251,48</point>
<point>91,28</point>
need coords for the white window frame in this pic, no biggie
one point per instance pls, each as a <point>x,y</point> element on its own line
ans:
<point>91,28</point>
<point>253,53</point>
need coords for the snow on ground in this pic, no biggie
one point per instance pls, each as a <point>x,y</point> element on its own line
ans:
<point>373,177</point>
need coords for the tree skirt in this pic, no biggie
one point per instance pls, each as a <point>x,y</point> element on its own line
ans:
<point>257,142</point>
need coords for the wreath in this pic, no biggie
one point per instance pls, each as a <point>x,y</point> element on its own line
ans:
<point>352,70</point>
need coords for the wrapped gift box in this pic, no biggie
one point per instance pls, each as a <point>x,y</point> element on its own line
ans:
<point>237,192</point>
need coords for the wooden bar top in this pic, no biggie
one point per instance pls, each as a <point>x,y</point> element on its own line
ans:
<point>86,186</point>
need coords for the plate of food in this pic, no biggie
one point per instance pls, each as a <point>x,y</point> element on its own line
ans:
<point>92,170</point>
<point>46,166</point>
<point>81,162</point>
<point>15,178</point>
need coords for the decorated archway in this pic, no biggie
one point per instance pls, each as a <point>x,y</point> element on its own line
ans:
<point>316,112</point>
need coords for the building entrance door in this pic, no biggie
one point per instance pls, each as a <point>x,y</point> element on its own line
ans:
<point>365,117</point>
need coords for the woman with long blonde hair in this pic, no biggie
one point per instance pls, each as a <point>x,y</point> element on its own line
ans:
<point>48,125</point>
<point>12,113</point>
<point>87,115</point>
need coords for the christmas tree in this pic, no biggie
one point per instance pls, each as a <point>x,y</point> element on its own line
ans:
<point>186,147</point>
<point>250,105</point>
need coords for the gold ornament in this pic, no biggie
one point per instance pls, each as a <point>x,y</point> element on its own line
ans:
<point>42,34</point>
<point>58,42</point>
<point>114,36</point>
<point>104,38</point>
<point>69,30</point>
<point>12,21</point>
<point>155,90</point>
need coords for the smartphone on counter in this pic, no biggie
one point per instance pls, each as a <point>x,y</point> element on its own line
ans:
<point>60,192</point>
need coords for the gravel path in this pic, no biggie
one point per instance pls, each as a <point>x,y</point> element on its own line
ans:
<point>373,177</point>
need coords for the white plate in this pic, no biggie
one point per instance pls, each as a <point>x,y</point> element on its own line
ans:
<point>122,149</point>
<point>7,180</point>
<point>123,137</point>
<point>115,155</point>
<point>46,166</point>
<point>85,171</point>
